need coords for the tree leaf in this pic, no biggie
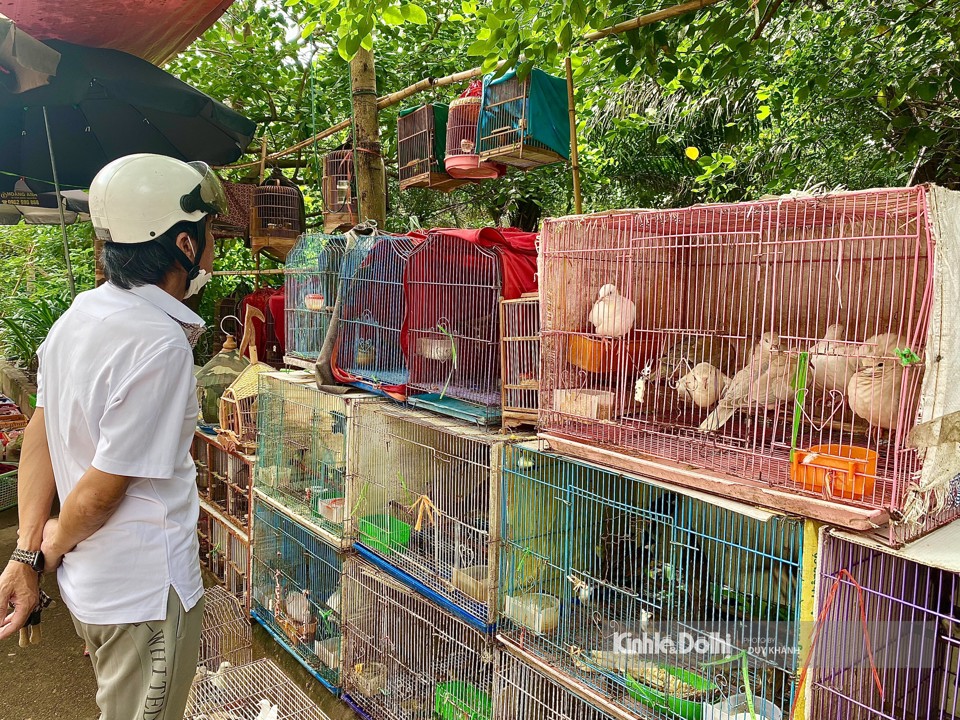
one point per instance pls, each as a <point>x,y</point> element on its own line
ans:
<point>414,13</point>
<point>392,16</point>
<point>692,152</point>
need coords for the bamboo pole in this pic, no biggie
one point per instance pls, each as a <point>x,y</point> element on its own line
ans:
<point>464,75</point>
<point>574,154</point>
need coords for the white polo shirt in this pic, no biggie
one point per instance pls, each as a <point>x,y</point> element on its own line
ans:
<point>117,389</point>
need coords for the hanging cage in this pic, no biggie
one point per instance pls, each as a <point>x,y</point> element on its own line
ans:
<point>311,278</point>
<point>461,159</point>
<point>277,216</point>
<point>339,190</point>
<point>421,146</point>
<point>524,123</point>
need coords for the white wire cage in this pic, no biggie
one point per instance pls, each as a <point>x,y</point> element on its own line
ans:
<point>225,552</point>
<point>255,691</point>
<point>405,657</point>
<point>779,351</point>
<point>297,590</point>
<point>520,360</point>
<point>225,634</point>
<point>302,453</point>
<point>889,630</point>
<point>426,500</point>
<point>598,567</point>
<point>311,277</point>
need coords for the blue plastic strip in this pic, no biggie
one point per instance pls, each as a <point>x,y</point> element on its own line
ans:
<point>428,593</point>
<point>254,613</point>
<point>355,707</point>
<point>459,409</point>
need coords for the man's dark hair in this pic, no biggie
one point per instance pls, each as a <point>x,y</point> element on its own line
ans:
<point>132,265</point>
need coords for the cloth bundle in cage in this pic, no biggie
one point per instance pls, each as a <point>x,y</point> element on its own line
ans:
<point>454,282</point>
<point>369,353</point>
<point>780,351</point>
<point>236,222</point>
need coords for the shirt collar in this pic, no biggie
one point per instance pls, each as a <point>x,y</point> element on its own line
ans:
<point>163,300</point>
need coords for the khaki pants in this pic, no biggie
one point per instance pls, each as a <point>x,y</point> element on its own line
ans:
<point>144,670</point>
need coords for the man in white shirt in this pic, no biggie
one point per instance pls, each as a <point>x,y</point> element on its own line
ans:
<point>116,410</point>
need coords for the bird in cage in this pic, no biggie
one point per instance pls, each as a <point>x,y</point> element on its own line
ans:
<point>876,394</point>
<point>630,544</point>
<point>766,381</point>
<point>832,361</point>
<point>613,315</point>
<point>689,351</point>
<point>268,711</point>
<point>703,386</point>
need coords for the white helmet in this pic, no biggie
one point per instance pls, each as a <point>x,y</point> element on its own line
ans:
<point>137,198</point>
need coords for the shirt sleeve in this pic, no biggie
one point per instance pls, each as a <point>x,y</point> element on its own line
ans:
<point>39,403</point>
<point>142,428</point>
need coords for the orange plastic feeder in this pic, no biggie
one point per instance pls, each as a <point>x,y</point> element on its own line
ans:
<point>605,355</point>
<point>841,471</point>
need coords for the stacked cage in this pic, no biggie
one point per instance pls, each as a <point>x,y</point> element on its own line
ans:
<point>224,480</point>
<point>311,279</point>
<point>454,283</point>
<point>339,190</point>
<point>369,352</point>
<point>257,690</point>
<point>426,492</point>
<point>225,635</point>
<point>421,138</point>
<point>774,351</point>
<point>888,631</point>
<point>520,360</point>
<point>524,123</point>
<point>225,552</point>
<point>597,568</point>
<point>302,459</point>
<point>405,658</point>
<point>296,590</point>
<point>522,691</point>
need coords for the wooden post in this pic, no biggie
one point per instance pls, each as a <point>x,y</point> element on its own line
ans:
<point>574,156</point>
<point>371,179</point>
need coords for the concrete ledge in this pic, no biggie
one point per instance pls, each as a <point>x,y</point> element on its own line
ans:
<point>15,385</point>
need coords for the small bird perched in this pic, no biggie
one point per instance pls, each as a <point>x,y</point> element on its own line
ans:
<point>875,393</point>
<point>765,381</point>
<point>218,678</point>
<point>268,711</point>
<point>833,362</point>
<point>702,386</point>
<point>612,315</point>
<point>879,347</point>
<point>691,350</point>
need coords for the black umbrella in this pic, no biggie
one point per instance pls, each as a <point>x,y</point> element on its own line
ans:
<point>104,104</point>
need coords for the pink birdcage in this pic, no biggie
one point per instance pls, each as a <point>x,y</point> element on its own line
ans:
<point>462,159</point>
<point>774,351</point>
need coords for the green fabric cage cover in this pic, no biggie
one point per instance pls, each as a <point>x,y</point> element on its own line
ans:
<point>547,111</point>
<point>441,112</point>
<point>215,377</point>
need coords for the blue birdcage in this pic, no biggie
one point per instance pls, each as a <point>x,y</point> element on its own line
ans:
<point>369,353</point>
<point>311,278</point>
<point>594,562</point>
<point>296,591</point>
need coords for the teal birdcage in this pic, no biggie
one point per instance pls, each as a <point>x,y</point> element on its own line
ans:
<point>311,278</point>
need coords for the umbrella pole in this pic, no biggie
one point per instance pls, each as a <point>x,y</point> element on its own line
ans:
<point>63,222</point>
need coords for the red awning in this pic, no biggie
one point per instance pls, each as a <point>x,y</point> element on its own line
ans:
<point>155,30</point>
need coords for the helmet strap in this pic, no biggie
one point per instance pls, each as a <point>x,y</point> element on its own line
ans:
<point>191,266</point>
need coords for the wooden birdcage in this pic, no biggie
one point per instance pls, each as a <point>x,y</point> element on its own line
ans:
<point>339,190</point>
<point>224,551</point>
<point>520,360</point>
<point>276,216</point>
<point>524,123</point>
<point>421,138</point>
<point>461,160</point>
<point>238,405</point>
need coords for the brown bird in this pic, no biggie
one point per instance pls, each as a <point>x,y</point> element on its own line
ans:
<point>833,362</point>
<point>876,394</point>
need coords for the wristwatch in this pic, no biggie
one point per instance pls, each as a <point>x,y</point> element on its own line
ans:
<point>34,559</point>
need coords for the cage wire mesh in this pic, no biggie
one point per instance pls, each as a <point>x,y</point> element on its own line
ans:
<point>597,566</point>
<point>311,277</point>
<point>302,457</point>
<point>406,658</point>
<point>425,495</point>
<point>520,360</point>
<point>224,479</point>
<point>913,627</point>
<point>250,692</point>
<point>522,691</point>
<point>373,308</point>
<point>453,295</point>
<point>780,341</point>
<point>296,589</point>
<point>224,552</point>
<point>8,489</point>
<point>225,634</point>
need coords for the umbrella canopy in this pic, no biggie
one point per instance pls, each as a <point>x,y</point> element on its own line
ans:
<point>41,209</point>
<point>25,63</point>
<point>104,104</point>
